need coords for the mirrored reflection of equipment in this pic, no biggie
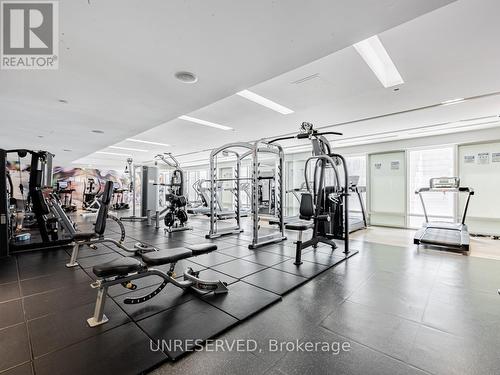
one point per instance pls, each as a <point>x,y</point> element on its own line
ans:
<point>53,227</point>
<point>174,214</point>
<point>443,235</point>
<point>130,169</point>
<point>91,191</point>
<point>119,198</point>
<point>324,208</point>
<point>65,194</point>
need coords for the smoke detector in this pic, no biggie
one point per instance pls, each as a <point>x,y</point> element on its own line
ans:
<point>186,77</point>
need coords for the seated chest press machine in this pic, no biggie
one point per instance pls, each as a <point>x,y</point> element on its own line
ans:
<point>125,269</point>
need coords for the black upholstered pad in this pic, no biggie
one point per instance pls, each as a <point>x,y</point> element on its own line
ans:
<point>299,226</point>
<point>117,267</point>
<point>165,256</point>
<point>202,248</point>
<point>84,236</point>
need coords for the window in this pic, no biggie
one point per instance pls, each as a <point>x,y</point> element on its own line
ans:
<point>424,165</point>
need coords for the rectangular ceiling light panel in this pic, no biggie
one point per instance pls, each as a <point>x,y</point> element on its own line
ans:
<point>247,94</point>
<point>379,61</point>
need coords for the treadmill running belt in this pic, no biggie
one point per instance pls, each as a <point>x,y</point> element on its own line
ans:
<point>442,237</point>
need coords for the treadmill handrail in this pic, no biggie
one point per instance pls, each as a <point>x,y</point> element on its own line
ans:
<point>461,189</point>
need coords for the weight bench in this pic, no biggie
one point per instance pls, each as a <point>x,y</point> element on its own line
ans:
<point>124,270</point>
<point>307,212</point>
<point>97,236</point>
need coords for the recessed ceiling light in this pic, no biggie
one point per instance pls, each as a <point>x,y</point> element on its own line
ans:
<point>186,77</point>
<point>453,101</point>
<point>148,142</point>
<point>40,136</point>
<point>64,101</point>
<point>206,123</point>
<point>97,131</point>
<point>379,61</point>
<point>112,153</point>
<point>247,94</point>
<point>128,148</point>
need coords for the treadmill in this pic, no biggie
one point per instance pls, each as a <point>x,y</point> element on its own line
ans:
<point>447,236</point>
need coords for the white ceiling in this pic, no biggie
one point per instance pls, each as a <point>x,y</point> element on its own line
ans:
<point>118,58</point>
<point>448,53</point>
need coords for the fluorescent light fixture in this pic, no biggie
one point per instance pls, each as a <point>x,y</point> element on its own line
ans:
<point>111,153</point>
<point>379,61</point>
<point>453,101</point>
<point>147,142</point>
<point>265,102</point>
<point>206,123</point>
<point>128,148</point>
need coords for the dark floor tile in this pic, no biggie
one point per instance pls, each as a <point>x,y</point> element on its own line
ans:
<point>357,360</point>
<point>58,300</point>
<point>123,350</point>
<point>212,259</point>
<point>210,274</point>
<point>306,269</point>
<point>236,251</point>
<point>86,251</point>
<point>275,281</point>
<point>170,296</point>
<point>394,298</point>
<point>24,369</point>
<point>238,268</point>
<point>64,328</point>
<point>442,353</point>
<point>15,346</point>
<point>8,270</point>
<point>242,300</point>
<point>41,266</point>
<point>265,258</point>
<point>11,313</point>
<point>58,280</point>
<point>193,320</point>
<point>9,291</point>
<point>322,258</point>
<point>383,332</point>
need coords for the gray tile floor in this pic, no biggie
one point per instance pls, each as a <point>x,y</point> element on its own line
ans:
<point>403,311</point>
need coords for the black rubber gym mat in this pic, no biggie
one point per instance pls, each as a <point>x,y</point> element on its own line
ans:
<point>123,350</point>
<point>306,269</point>
<point>193,320</point>
<point>15,347</point>
<point>244,300</point>
<point>63,328</point>
<point>169,297</point>
<point>238,268</point>
<point>212,259</point>
<point>11,313</point>
<point>275,281</point>
<point>266,259</point>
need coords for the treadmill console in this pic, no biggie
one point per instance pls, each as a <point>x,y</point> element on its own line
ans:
<point>444,183</point>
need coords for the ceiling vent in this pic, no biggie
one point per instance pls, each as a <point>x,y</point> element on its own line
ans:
<point>305,79</point>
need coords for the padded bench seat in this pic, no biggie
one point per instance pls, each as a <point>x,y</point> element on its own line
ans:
<point>118,267</point>
<point>124,266</point>
<point>300,226</point>
<point>156,258</point>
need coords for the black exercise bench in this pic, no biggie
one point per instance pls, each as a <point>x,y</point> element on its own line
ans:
<point>124,270</point>
<point>97,236</point>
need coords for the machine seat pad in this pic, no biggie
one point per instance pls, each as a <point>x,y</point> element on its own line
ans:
<point>300,226</point>
<point>81,236</point>
<point>117,267</point>
<point>165,256</point>
<point>202,248</point>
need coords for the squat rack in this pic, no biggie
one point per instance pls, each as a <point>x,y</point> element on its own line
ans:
<point>254,150</point>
